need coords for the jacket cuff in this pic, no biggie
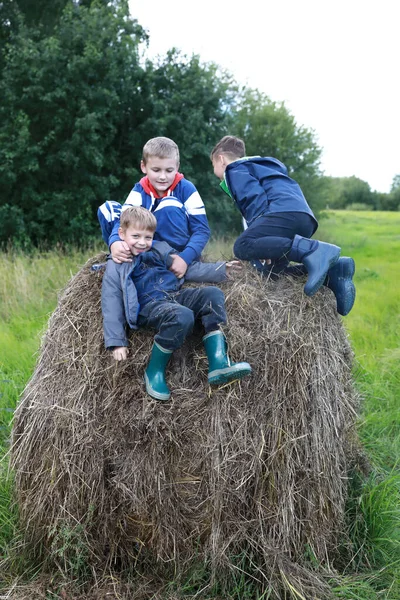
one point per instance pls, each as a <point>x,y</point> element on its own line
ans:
<point>188,255</point>
<point>113,238</point>
<point>112,343</point>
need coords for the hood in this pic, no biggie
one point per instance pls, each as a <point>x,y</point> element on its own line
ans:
<point>149,189</point>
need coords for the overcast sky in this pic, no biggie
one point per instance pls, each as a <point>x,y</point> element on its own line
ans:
<point>335,65</point>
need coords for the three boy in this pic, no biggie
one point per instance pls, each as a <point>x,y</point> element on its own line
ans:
<point>142,283</point>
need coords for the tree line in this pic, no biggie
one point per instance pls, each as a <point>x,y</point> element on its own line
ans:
<point>79,101</point>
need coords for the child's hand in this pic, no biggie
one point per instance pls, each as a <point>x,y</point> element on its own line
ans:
<point>120,252</point>
<point>178,267</point>
<point>233,267</point>
<point>120,353</point>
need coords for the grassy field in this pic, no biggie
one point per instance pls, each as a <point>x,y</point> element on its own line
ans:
<point>28,294</point>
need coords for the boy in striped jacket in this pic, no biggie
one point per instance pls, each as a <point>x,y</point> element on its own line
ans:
<point>174,201</point>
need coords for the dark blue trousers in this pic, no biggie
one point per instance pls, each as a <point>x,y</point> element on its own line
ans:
<point>174,317</point>
<point>272,237</point>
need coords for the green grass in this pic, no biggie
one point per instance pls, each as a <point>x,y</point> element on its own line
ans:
<point>371,557</point>
<point>373,240</point>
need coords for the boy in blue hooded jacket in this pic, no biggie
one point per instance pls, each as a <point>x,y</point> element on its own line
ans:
<point>280,222</point>
<point>146,293</point>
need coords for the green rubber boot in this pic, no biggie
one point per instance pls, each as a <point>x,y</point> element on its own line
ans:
<point>154,376</point>
<point>220,369</point>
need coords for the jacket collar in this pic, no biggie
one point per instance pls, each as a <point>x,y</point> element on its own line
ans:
<point>149,189</point>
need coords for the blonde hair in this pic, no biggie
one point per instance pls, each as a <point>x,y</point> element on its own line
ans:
<point>139,217</point>
<point>230,145</point>
<point>161,147</point>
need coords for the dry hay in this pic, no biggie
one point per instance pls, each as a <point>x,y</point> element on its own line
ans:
<point>250,476</point>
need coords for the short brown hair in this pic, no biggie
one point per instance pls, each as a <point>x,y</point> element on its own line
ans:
<point>139,216</point>
<point>230,145</point>
<point>162,147</point>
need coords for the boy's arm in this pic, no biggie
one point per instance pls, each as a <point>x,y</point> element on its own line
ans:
<point>112,305</point>
<point>199,229</point>
<point>119,250</point>
<point>200,272</point>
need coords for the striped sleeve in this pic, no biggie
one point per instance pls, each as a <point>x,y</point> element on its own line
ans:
<point>194,204</point>
<point>134,199</point>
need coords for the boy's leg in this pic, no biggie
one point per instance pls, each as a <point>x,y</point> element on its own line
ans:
<point>317,257</point>
<point>208,305</point>
<point>287,236</point>
<point>173,322</point>
<point>272,237</point>
<point>339,279</point>
<point>107,214</point>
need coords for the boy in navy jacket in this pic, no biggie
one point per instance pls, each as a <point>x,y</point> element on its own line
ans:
<point>175,202</point>
<point>280,222</point>
<point>146,293</point>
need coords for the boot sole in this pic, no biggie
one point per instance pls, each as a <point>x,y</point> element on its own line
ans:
<point>345,307</point>
<point>345,302</point>
<point>156,395</point>
<point>221,376</point>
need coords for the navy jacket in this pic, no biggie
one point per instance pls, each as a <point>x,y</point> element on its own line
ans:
<point>261,186</point>
<point>146,278</point>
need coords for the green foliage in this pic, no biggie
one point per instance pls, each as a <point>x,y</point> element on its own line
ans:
<point>347,191</point>
<point>395,183</point>
<point>190,101</point>
<point>66,100</point>
<point>269,129</point>
<point>8,511</point>
<point>78,106</point>
<point>69,549</point>
<point>389,201</point>
<point>375,522</point>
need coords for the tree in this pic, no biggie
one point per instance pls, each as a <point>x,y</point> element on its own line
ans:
<point>189,103</point>
<point>78,106</point>
<point>395,183</point>
<point>347,191</point>
<point>269,129</point>
<point>65,101</point>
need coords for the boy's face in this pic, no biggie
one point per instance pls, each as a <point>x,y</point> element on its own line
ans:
<point>161,172</point>
<point>219,164</point>
<point>139,240</point>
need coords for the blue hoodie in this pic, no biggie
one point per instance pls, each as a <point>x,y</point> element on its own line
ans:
<point>261,186</point>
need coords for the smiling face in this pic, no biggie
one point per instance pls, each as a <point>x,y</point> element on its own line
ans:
<point>161,172</point>
<point>138,239</point>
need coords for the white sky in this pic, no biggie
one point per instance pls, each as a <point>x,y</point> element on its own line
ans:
<point>335,65</point>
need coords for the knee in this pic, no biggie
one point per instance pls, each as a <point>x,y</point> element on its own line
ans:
<point>184,317</point>
<point>213,295</point>
<point>240,248</point>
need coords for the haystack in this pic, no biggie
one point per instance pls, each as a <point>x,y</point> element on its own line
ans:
<point>249,476</point>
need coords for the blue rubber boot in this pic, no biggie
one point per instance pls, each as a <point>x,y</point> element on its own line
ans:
<point>340,281</point>
<point>317,257</point>
<point>220,369</point>
<point>154,376</point>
